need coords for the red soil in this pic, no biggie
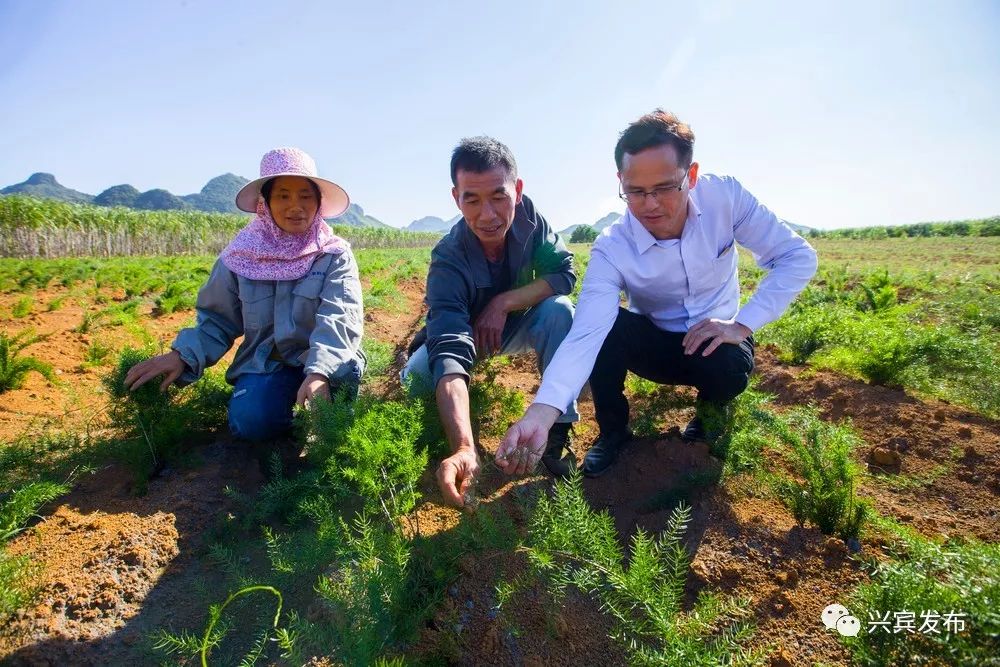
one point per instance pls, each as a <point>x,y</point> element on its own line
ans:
<point>117,567</point>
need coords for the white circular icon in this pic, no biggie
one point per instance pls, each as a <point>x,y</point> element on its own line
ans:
<point>848,626</point>
<point>832,614</point>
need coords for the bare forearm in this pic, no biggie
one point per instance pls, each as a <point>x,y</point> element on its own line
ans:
<point>525,297</point>
<point>452,394</point>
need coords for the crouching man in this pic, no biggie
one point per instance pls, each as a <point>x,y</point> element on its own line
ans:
<point>674,255</point>
<point>498,283</point>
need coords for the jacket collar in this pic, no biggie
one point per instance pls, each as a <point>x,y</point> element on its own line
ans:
<point>516,243</point>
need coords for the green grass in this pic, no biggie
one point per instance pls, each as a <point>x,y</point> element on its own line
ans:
<point>17,573</point>
<point>22,307</point>
<point>96,354</point>
<point>931,330</point>
<point>379,355</point>
<point>924,578</point>
<point>572,546</point>
<point>154,427</point>
<point>14,366</point>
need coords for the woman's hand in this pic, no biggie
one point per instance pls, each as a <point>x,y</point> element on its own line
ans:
<point>314,385</point>
<point>169,365</point>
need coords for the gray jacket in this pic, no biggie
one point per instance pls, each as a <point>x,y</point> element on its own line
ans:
<point>458,283</point>
<point>315,322</point>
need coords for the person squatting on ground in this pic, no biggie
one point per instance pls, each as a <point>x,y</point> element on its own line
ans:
<point>673,253</point>
<point>497,283</point>
<point>291,288</point>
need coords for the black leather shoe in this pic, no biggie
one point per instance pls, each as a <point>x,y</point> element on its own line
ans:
<point>603,453</point>
<point>694,430</point>
<point>710,421</point>
<point>553,458</point>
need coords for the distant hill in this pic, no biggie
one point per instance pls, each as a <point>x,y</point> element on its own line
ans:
<point>599,225</point>
<point>356,216</point>
<point>118,195</point>
<point>159,200</point>
<point>218,195</point>
<point>432,223</point>
<point>45,186</point>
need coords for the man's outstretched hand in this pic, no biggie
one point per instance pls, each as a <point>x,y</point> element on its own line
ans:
<point>456,475</point>
<point>522,447</point>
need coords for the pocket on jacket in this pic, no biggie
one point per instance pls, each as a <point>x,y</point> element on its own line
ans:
<point>309,288</point>
<point>305,304</point>
<point>257,302</point>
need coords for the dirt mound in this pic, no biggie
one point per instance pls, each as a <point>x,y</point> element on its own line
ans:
<point>99,569</point>
<point>119,567</point>
<point>938,465</point>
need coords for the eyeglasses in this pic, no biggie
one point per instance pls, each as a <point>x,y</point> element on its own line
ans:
<point>638,197</point>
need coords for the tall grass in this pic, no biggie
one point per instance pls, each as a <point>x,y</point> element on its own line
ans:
<point>32,227</point>
<point>979,227</point>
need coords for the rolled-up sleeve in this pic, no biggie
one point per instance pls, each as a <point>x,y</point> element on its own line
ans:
<point>450,345</point>
<point>787,257</point>
<point>335,341</point>
<point>219,321</point>
<point>553,260</point>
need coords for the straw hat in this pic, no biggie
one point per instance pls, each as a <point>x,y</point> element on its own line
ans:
<point>293,162</point>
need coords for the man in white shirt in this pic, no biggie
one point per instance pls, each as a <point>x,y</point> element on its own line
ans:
<point>673,254</point>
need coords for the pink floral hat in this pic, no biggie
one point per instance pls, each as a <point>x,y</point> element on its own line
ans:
<point>293,162</point>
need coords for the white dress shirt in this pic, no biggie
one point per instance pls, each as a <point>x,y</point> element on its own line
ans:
<point>677,283</point>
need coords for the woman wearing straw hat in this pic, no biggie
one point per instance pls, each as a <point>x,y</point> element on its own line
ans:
<point>290,287</point>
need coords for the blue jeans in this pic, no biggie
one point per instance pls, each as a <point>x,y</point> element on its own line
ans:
<point>261,406</point>
<point>541,328</point>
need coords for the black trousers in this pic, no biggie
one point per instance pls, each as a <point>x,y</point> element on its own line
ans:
<point>636,344</point>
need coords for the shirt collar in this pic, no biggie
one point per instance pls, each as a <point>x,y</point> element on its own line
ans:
<point>640,235</point>
<point>643,239</point>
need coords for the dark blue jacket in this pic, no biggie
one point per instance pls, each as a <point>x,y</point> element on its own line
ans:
<point>459,282</point>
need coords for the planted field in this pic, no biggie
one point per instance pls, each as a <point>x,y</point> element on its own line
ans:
<point>861,469</point>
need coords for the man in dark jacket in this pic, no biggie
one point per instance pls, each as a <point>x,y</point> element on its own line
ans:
<point>498,283</point>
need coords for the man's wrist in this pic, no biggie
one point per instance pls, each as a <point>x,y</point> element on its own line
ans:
<point>465,447</point>
<point>543,412</point>
<point>503,302</point>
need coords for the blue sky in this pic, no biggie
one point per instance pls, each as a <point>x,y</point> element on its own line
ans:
<point>841,115</point>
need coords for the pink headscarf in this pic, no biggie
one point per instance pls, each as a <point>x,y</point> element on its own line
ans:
<point>264,251</point>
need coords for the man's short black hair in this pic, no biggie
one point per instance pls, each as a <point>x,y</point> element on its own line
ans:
<point>659,128</point>
<point>480,154</point>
